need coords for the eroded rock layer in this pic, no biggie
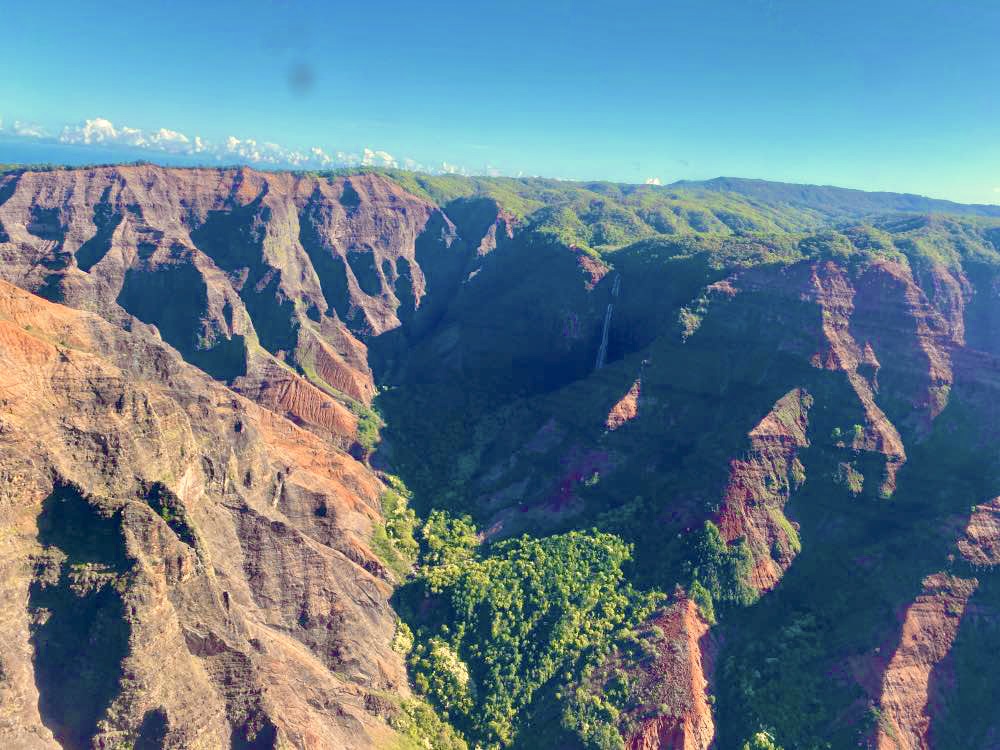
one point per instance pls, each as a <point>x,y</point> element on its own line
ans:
<point>678,677</point>
<point>177,562</point>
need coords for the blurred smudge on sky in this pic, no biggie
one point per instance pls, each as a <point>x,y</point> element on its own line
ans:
<point>301,78</point>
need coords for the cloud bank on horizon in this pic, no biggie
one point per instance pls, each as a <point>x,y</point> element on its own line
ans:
<point>101,132</point>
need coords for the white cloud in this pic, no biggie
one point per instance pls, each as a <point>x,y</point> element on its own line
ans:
<point>28,130</point>
<point>996,189</point>
<point>447,168</point>
<point>170,140</point>
<point>378,159</point>
<point>653,181</point>
<point>99,131</point>
<point>320,155</point>
<point>271,154</point>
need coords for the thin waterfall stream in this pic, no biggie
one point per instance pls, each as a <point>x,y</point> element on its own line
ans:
<point>602,351</point>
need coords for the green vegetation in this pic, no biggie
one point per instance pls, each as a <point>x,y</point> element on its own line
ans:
<point>449,545</point>
<point>703,598</point>
<point>402,639</point>
<point>690,320</point>
<point>762,741</point>
<point>786,526</point>
<point>493,627</point>
<point>782,669</point>
<point>633,684</point>
<point>393,541</point>
<point>592,718</point>
<point>603,215</point>
<point>721,570</point>
<point>169,507</point>
<point>848,475</point>
<point>421,728</point>
<point>712,384</point>
<point>370,425</point>
<point>855,226</point>
<point>5,168</point>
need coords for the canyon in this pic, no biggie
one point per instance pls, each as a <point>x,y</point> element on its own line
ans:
<point>212,381</point>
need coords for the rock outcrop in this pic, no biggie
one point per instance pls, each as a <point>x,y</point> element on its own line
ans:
<point>980,545</point>
<point>626,408</point>
<point>179,565</point>
<point>761,483</point>
<point>677,679</point>
<point>929,629</point>
<point>240,271</point>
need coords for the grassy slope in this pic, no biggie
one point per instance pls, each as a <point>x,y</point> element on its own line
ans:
<point>604,216</point>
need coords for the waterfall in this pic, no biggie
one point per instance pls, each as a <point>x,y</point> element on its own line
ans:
<point>602,351</point>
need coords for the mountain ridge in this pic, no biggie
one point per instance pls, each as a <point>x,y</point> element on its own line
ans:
<point>803,193</point>
<point>832,195</point>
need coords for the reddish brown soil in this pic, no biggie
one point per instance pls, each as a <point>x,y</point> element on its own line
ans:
<point>676,678</point>
<point>626,409</point>
<point>929,629</point>
<point>269,586</point>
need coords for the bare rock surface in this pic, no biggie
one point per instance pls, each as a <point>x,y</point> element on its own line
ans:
<point>929,629</point>
<point>234,267</point>
<point>177,563</point>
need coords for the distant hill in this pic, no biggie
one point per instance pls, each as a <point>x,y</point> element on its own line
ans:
<point>834,201</point>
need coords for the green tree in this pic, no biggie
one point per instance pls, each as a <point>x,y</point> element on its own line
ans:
<point>722,569</point>
<point>762,741</point>
<point>529,611</point>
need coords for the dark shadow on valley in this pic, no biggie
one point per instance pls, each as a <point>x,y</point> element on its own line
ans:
<point>80,635</point>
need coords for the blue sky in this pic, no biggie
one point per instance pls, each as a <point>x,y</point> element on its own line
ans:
<point>883,94</point>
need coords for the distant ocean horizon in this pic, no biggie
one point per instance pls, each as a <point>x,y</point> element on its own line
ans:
<point>19,150</point>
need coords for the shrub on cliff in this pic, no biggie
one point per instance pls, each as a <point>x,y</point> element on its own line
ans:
<point>393,541</point>
<point>703,599</point>
<point>761,741</point>
<point>722,570</point>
